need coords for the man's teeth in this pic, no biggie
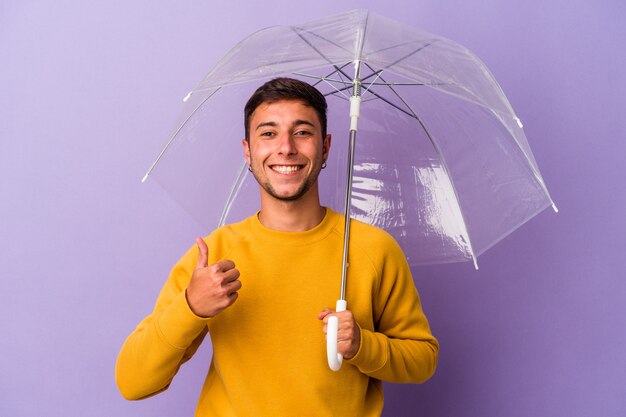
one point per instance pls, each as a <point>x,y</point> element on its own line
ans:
<point>286,169</point>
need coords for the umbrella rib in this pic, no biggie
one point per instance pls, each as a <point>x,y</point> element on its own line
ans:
<point>390,86</point>
<point>172,137</point>
<point>400,45</point>
<point>296,29</point>
<point>323,78</point>
<point>337,69</point>
<point>329,81</point>
<point>408,84</point>
<point>376,96</point>
<point>362,39</point>
<point>374,73</point>
<point>393,105</point>
<point>422,47</point>
<point>369,86</point>
<point>383,98</point>
<point>410,54</point>
<point>336,90</point>
<point>385,83</point>
<point>347,84</point>
<point>234,191</point>
<point>395,92</point>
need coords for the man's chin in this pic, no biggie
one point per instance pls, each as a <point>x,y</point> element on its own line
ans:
<point>288,195</point>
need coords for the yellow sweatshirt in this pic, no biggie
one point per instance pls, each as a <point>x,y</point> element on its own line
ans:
<point>269,351</point>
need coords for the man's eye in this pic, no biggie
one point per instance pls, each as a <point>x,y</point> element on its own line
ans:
<point>267,134</point>
<point>303,133</point>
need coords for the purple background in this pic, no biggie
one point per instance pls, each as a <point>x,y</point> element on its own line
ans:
<point>88,93</point>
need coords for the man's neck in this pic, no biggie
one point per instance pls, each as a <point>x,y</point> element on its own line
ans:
<point>291,216</point>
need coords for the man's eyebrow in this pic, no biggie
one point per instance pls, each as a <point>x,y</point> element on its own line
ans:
<point>260,125</point>
<point>295,123</point>
<point>302,122</point>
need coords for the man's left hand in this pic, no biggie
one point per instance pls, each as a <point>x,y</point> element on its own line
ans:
<point>348,333</point>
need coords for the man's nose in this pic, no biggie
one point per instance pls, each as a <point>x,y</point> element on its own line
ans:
<point>286,144</point>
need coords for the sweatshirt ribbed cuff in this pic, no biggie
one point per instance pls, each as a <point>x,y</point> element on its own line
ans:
<point>372,354</point>
<point>178,325</point>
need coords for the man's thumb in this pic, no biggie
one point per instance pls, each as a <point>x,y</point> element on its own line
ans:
<point>203,256</point>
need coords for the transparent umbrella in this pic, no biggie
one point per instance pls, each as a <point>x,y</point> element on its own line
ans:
<point>441,161</point>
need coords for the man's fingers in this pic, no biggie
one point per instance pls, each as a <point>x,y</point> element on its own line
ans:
<point>342,334</point>
<point>230,276</point>
<point>224,265</point>
<point>322,315</point>
<point>203,255</point>
<point>233,286</point>
<point>348,331</point>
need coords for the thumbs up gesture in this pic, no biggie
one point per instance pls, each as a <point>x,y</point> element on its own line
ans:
<point>212,288</point>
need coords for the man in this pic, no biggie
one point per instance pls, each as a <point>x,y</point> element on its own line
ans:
<point>261,288</point>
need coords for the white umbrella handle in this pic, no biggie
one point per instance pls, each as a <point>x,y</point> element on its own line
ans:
<point>334,359</point>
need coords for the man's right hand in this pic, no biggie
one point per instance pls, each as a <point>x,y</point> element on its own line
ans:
<point>212,288</point>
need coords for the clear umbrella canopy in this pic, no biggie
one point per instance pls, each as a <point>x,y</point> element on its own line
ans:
<point>441,163</point>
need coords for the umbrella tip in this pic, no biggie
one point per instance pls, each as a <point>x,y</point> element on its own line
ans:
<point>145,177</point>
<point>555,208</point>
<point>519,122</point>
<point>187,96</point>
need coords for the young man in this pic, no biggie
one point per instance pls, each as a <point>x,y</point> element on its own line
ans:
<point>261,288</point>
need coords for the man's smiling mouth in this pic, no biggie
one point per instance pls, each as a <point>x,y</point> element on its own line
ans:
<point>286,169</point>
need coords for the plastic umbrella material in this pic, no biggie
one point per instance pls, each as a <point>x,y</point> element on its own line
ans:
<point>441,161</point>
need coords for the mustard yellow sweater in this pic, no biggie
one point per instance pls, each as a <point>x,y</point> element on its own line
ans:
<point>269,351</point>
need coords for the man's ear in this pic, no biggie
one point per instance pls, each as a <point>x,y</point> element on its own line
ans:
<point>246,150</point>
<point>326,146</point>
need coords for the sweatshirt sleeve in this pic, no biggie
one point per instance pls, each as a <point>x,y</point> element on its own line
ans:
<point>401,347</point>
<point>163,341</point>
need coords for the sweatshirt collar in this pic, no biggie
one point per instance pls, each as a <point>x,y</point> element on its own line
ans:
<point>319,232</point>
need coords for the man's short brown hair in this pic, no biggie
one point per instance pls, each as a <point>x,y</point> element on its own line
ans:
<point>286,89</point>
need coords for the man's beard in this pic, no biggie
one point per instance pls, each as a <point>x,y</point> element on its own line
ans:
<point>300,192</point>
<point>304,187</point>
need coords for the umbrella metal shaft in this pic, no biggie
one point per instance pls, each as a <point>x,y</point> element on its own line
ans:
<point>346,231</point>
<point>355,110</point>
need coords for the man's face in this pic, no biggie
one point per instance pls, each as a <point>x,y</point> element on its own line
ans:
<point>286,149</point>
